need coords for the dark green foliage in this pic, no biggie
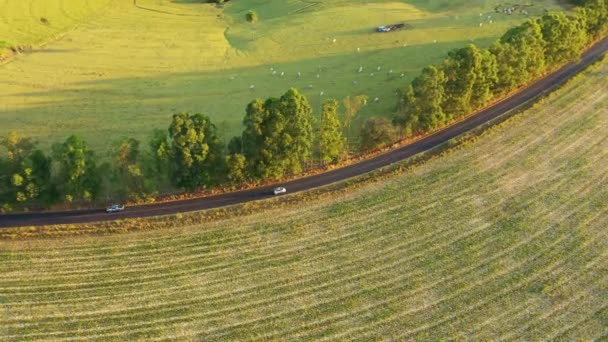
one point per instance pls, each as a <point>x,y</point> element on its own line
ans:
<point>462,68</point>
<point>421,104</point>
<point>235,145</point>
<point>507,61</point>
<point>157,159</point>
<point>5,197</point>
<point>256,124</point>
<point>407,116</point>
<point>25,173</point>
<point>17,147</point>
<point>470,77</point>
<point>251,17</point>
<point>486,80</point>
<point>471,73</point>
<point>330,139</point>
<point>594,15</point>
<point>160,151</point>
<point>278,136</point>
<point>520,56</point>
<point>262,139</point>
<point>236,168</point>
<point>36,172</point>
<point>130,178</point>
<point>196,151</point>
<point>78,177</point>
<point>429,94</point>
<point>565,37</point>
<point>377,132</point>
<point>299,135</point>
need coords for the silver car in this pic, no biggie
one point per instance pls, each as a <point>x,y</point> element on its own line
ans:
<point>279,190</point>
<point>114,208</point>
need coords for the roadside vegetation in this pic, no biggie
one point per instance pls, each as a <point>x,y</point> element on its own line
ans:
<point>281,136</point>
<point>469,78</point>
<point>503,238</point>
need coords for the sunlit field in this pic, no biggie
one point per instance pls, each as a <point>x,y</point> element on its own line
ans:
<point>110,69</point>
<point>503,239</point>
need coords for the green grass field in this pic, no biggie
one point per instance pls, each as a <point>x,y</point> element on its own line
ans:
<point>35,22</point>
<point>120,70</point>
<point>503,239</point>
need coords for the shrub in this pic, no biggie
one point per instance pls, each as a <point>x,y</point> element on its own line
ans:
<point>252,16</point>
<point>377,132</point>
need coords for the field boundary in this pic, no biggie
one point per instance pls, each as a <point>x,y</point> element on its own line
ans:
<point>220,213</point>
<point>353,167</point>
<point>540,87</point>
<point>111,225</point>
<point>164,12</point>
<point>310,4</point>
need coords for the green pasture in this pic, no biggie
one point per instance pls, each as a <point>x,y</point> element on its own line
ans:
<point>120,70</point>
<point>503,239</point>
<point>35,22</point>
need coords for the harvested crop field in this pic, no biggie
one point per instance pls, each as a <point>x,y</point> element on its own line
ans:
<point>503,239</point>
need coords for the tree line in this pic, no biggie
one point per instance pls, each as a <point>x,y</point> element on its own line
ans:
<point>281,136</point>
<point>470,77</point>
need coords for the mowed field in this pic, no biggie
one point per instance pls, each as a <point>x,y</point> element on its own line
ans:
<point>33,23</point>
<point>502,239</point>
<point>122,70</point>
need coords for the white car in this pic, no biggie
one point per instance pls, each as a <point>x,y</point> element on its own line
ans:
<point>279,190</point>
<point>114,208</point>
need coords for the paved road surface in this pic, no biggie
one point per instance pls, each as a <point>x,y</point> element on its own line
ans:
<point>539,88</point>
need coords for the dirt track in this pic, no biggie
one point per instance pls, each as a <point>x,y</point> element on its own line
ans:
<point>543,86</point>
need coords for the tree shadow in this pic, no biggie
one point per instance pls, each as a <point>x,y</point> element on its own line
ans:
<point>105,110</point>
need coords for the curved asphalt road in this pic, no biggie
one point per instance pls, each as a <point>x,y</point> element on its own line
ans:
<point>543,86</point>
